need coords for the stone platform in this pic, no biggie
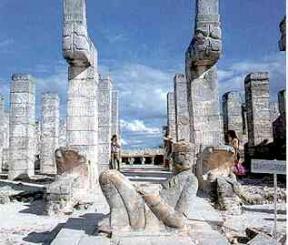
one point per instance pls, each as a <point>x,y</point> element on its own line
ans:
<point>203,220</point>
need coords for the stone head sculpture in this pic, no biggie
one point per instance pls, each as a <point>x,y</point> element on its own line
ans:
<point>182,156</point>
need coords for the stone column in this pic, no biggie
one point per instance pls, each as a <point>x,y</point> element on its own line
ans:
<point>282,41</point>
<point>62,133</point>
<point>49,132</point>
<point>2,121</point>
<point>282,102</point>
<point>257,104</point>
<point>81,55</point>
<point>274,110</point>
<point>5,156</point>
<point>201,58</point>
<point>22,127</point>
<point>104,123</point>
<point>181,108</point>
<point>115,113</point>
<point>171,115</point>
<point>233,119</point>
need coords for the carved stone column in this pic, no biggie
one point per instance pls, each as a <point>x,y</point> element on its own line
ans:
<point>22,127</point>
<point>81,55</point>
<point>201,58</point>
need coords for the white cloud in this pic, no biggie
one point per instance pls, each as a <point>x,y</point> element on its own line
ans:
<point>232,77</point>
<point>139,127</point>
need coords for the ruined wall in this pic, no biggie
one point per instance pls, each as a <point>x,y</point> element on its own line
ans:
<point>258,111</point>
<point>181,108</point>
<point>49,132</point>
<point>171,115</point>
<point>22,126</point>
<point>104,122</point>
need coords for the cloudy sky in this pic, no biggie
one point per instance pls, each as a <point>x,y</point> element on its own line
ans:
<point>141,44</point>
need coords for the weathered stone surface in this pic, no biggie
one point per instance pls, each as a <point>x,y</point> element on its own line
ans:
<point>171,115</point>
<point>104,122</point>
<point>115,113</point>
<point>262,239</point>
<point>82,106</point>
<point>22,127</point>
<point>201,57</point>
<point>282,41</point>
<point>279,127</point>
<point>181,108</point>
<point>212,162</point>
<point>49,132</point>
<point>132,207</point>
<point>71,184</point>
<point>234,115</point>
<point>257,104</point>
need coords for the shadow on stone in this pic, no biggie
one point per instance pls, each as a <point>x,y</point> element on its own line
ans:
<point>36,207</point>
<point>45,237</point>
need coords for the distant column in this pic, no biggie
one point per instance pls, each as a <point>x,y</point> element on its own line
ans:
<point>233,119</point>
<point>257,104</point>
<point>104,123</point>
<point>115,113</point>
<point>5,156</point>
<point>62,133</point>
<point>181,108</point>
<point>171,115</point>
<point>2,118</point>
<point>282,102</point>
<point>282,41</point>
<point>22,127</point>
<point>49,132</point>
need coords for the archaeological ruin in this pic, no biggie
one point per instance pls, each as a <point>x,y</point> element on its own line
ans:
<point>57,182</point>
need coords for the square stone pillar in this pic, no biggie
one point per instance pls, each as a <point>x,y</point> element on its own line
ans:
<point>62,134</point>
<point>22,127</point>
<point>258,111</point>
<point>115,113</point>
<point>5,131</point>
<point>2,121</point>
<point>181,108</point>
<point>201,58</point>
<point>234,114</point>
<point>171,119</point>
<point>104,122</point>
<point>49,132</point>
<point>282,41</point>
<point>282,102</point>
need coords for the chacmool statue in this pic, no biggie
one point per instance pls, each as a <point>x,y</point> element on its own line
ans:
<point>133,208</point>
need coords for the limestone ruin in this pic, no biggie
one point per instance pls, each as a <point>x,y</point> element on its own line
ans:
<point>62,161</point>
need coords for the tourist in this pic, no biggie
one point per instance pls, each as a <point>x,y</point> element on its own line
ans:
<point>168,143</point>
<point>234,141</point>
<point>115,153</point>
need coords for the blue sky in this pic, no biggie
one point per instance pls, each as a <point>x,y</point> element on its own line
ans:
<point>141,43</point>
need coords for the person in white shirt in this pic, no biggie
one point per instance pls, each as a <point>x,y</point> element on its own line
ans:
<point>115,153</point>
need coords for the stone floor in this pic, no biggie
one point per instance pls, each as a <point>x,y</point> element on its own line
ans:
<point>23,222</point>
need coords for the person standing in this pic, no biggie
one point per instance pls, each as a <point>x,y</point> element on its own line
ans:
<point>168,145</point>
<point>115,153</point>
<point>234,141</point>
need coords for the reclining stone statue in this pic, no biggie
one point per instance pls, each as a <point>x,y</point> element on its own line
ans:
<point>216,178</point>
<point>71,182</point>
<point>131,207</point>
